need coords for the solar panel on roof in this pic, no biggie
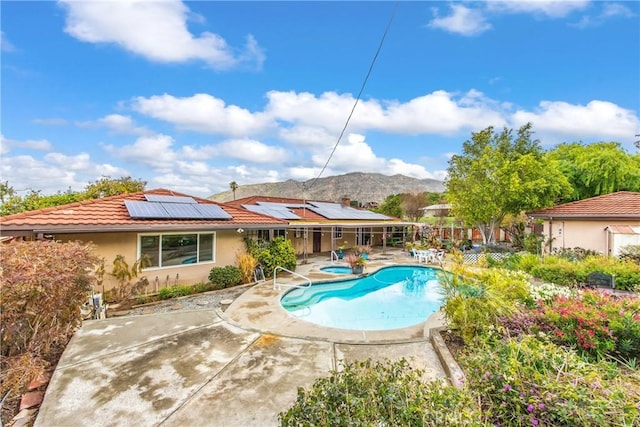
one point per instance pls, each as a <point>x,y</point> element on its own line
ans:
<point>272,211</point>
<point>337,211</point>
<point>212,212</point>
<point>282,205</point>
<point>139,209</point>
<point>173,210</point>
<point>169,199</point>
<point>182,210</point>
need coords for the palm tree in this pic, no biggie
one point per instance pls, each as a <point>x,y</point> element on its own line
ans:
<point>234,186</point>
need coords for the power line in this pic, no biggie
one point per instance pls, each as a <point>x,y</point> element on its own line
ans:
<point>364,84</point>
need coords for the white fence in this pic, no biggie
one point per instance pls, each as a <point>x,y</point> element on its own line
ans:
<point>473,257</point>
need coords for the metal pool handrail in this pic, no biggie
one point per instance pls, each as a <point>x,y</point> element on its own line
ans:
<point>334,255</point>
<point>277,285</point>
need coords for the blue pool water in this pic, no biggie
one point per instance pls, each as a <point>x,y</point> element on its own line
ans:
<point>337,269</point>
<point>391,298</point>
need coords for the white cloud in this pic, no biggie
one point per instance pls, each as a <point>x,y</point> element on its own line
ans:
<point>441,112</point>
<point>5,44</point>
<point>6,145</point>
<point>463,20</point>
<point>119,123</point>
<point>355,154</point>
<point>155,151</point>
<point>156,30</point>
<point>610,10</point>
<point>318,120</point>
<point>596,119</point>
<point>329,110</point>
<point>203,113</point>
<point>252,151</point>
<point>549,8</point>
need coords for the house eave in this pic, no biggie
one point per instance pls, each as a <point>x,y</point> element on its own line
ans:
<point>35,229</point>
<point>584,217</point>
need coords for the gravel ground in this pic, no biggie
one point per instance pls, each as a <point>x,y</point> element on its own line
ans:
<point>204,301</point>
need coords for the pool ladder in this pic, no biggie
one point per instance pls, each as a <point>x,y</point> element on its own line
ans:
<point>277,285</point>
<point>334,257</point>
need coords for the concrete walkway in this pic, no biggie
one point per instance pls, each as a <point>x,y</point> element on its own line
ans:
<point>240,367</point>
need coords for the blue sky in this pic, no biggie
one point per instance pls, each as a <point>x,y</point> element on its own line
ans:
<point>193,95</point>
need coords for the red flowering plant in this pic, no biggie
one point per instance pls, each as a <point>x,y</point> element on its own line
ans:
<point>595,322</point>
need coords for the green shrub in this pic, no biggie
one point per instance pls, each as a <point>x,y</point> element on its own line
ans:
<point>277,253</point>
<point>475,300</point>
<point>527,381</point>
<point>563,272</point>
<point>175,291</point>
<point>628,279</point>
<point>225,277</point>
<point>380,394</point>
<point>560,273</point>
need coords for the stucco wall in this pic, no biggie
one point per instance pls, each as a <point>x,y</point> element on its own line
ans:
<point>581,233</point>
<point>108,245</point>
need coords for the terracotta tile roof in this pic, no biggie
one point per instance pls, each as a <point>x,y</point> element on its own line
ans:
<point>623,204</point>
<point>110,214</point>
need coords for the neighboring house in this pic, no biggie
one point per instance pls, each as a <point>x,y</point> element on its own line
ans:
<point>183,236</point>
<point>604,223</point>
<point>439,210</point>
<point>325,226</point>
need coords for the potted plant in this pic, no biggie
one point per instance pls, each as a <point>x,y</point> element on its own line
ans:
<point>356,262</point>
<point>341,249</point>
<point>364,251</point>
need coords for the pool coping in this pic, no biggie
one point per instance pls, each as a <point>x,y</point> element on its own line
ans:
<point>258,309</point>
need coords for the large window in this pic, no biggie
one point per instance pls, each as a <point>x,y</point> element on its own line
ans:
<point>166,250</point>
<point>266,235</point>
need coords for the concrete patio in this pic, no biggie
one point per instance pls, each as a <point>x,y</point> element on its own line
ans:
<point>240,367</point>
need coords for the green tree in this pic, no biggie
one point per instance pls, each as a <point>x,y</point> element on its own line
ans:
<point>499,174</point>
<point>391,206</point>
<point>107,186</point>
<point>234,186</point>
<point>596,169</point>
<point>11,202</point>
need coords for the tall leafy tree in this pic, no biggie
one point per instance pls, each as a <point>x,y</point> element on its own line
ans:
<point>499,174</point>
<point>391,206</point>
<point>596,169</point>
<point>107,186</point>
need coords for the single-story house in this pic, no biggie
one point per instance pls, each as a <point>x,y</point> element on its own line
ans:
<point>603,224</point>
<point>438,210</point>
<point>316,226</point>
<point>184,236</point>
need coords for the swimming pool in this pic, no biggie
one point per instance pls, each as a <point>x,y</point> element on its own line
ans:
<point>337,269</point>
<point>391,298</point>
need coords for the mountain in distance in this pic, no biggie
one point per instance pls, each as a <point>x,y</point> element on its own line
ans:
<point>357,186</point>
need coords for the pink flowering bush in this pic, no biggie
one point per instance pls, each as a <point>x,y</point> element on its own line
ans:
<point>595,323</point>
